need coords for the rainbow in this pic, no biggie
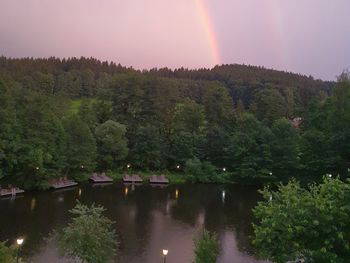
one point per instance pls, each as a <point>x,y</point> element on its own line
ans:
<point>209,30</point>
<point>274,18</point>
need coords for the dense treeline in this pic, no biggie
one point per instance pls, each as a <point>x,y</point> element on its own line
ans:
<point>73,116</point>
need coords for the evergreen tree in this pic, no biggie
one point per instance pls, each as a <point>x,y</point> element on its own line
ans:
<point>284,150</point>
<point>147,150</point>
<point>270,105</point>
<point>249,153</point>
<point>81,148</point>
<point>112,143</point>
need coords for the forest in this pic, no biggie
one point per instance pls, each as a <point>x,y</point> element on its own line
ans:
<point>231,123</point>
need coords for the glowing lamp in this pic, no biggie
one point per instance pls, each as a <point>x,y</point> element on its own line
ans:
<point>20,241</point>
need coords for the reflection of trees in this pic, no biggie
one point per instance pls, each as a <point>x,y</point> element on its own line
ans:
<point>133,215</point>
<point>34,222</point>
<point>233,212</point>
<point>239,214</point>
<point>189,204</point>
<point>197,205</point>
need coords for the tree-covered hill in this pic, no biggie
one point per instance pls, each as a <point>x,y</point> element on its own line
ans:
<point>73,116</point>
<point>84,77</point>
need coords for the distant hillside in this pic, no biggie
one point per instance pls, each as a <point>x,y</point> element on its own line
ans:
<point>83,77</point>
<point>232,123</point>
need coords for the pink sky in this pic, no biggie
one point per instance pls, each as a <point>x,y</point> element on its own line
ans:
<point>309,37</point>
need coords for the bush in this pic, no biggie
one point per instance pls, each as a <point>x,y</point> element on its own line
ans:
<point>90,237</point>
<point>313,223</point>
<point>116,175</point>
<point>206,248</point>
<point>7,254</point>
<point>203,172</point>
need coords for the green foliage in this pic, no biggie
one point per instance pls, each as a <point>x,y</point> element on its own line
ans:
<point>184,146</point>
<point>218,106</point>
<point>249,152</point>
<point>54,115</point>
<point>102,110</point>
<point>146,152</point>
<point>312,224</point>
<point>206,248</point>
<point>7,254</point>
<point>90,236</point>
<point>189,116</point>
<point>284,149</point>
<point>117,176</point>
<point>316,157</point>
<point>9,140</point>
<point>176,178</point>
<point>330,121</point>
<point>204,172</point>
<point>87,114</point>
<point>81,148</point>
<point>112,144</point>
<point>270,105</point>
<point>216,146</point>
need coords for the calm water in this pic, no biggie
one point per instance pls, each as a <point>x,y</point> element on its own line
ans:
<point>148,219</point>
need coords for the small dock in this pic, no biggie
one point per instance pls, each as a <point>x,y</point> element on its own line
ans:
<point>158,179</point>
<point>10,191</point>
<point>62,183</point>
<point>134,178</point>
<point>101,178</point>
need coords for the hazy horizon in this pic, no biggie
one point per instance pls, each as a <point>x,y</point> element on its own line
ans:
<point>309,37</point>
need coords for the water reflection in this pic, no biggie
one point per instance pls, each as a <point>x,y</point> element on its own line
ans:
<point>147,221</point>
<point>176,194</point>
<point>32,204</point>
<point>200,219</point>
<point>223,195</point>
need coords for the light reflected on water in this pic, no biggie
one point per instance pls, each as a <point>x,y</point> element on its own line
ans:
<point>176,194</point>
<point>201,218</point>
<point>32,204</point>
<point>148,220</point>
<point>223,196</point>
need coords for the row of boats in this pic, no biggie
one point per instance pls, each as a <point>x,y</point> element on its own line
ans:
<point>64,182</point>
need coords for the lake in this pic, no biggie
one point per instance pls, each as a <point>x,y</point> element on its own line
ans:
<point>147,218</point>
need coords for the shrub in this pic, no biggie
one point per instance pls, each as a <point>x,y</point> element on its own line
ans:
<point>90,237</point>
<point>7,254</point>
<point>312,223</point>
<point>206,248</point>
<point>198,171</point>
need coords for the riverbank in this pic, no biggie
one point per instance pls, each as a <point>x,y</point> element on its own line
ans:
<point>174,178</point>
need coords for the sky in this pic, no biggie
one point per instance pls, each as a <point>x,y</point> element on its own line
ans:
<point>310,37</point>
